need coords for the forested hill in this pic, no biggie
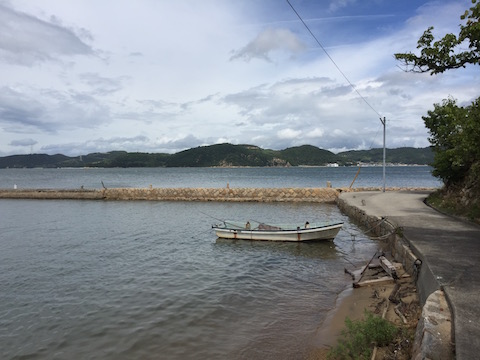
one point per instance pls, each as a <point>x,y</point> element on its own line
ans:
<point>405,155</point>
<point>224,155</point>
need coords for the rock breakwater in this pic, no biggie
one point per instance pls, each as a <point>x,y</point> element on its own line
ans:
<point>316,195</point>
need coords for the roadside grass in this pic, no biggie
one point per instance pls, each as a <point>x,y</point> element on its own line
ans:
<point>358,339</point>
<point>450,205</point>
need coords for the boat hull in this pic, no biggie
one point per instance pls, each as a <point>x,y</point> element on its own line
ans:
<point>311,234</point>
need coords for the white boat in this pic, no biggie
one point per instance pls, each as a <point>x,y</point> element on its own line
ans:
<point>252,230</point>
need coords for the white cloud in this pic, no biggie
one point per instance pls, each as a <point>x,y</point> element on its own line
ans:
<point>288,134</point>
<point>27,40</point>
<point>314,133</point>
<point>266,42</point>
<point>50,111</point>
<point>23,142</point>
<point>339,4</point>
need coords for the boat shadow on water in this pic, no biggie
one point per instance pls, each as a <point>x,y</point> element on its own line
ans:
<point>310,249</point>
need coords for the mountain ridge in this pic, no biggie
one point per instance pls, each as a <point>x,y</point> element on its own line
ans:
<point>224,155</point>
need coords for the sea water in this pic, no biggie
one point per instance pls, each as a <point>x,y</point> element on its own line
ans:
<point>94,178</point>
<point>149,280</point>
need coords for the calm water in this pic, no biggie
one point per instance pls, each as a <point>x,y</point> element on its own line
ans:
<point>398,176</point>
<point>149,280</point>
<point>123,280</point>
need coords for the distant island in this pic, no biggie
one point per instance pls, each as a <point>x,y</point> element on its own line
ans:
<point>225,155</point>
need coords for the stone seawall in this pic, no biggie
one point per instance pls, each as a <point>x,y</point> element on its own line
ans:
<point>433,337</point>
<point>314,195</point>
<point>388,232</point>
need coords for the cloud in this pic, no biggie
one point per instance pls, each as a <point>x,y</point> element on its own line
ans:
<point>140,143</point>
<point>23,142</point>
<point>268,41</point>
<point>315,133</point>
<point>48,110</point>
<point>339,4</point>
<point>175,145</point>
<point>98,145</point>
<point>102,85</point>
<point>288,134</point>
<point>18,112</point>
<point>27,40</point>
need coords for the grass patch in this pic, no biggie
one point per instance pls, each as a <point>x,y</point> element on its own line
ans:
<point>451,205</point>
<point>438,201</point>
<point>360,336</point>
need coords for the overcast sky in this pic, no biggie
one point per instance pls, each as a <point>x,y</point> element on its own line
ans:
<point>84,76</point>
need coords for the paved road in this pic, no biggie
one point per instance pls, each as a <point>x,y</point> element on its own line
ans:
<point>448,246</point>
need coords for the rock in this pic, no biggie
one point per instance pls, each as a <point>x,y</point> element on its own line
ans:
<point>433,338</point>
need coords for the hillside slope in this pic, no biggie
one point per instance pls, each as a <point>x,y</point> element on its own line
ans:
<point>222,155</point>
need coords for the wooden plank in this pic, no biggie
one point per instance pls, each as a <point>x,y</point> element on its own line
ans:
<point>384,279</point>
<point>394,296</point>
<point>388,267</point>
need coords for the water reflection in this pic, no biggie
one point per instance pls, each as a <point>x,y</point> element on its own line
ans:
<point>312,250</point>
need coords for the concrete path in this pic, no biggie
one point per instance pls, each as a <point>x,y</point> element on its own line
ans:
<point>449,249</point>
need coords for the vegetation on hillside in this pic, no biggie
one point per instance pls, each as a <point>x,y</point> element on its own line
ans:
<point>454,130</point>
<point>222,155</point>
<point>404,155</point>
<point>33,160</point>
<point>137,159</point>
<point>309,155</point>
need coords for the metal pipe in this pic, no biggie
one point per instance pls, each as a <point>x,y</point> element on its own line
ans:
<point>384,121</point>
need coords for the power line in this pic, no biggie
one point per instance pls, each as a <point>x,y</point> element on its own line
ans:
<point>382,120</point>
<point>334,63</point>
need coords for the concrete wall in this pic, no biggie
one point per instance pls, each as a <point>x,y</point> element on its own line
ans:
<point>401,250</point>
<point>381,228</point>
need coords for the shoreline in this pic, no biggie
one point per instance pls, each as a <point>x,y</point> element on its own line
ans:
<point>349,303</point>
<point>353,302</point>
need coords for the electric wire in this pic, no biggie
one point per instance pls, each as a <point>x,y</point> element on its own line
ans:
<point>334,63</point>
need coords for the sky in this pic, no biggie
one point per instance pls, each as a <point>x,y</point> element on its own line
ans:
<point>161,76</point>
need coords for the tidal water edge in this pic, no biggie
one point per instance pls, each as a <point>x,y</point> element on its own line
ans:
<point>122,280</point>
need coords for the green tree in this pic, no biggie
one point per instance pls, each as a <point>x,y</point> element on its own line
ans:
<point>455,135</point>
<point>454,131</point>
<point>447,53</point>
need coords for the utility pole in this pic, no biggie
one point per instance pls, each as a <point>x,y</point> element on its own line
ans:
<point>384,122</point>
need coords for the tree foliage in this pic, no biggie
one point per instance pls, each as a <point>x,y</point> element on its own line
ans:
<point>455,136</point>
<point>447,53</point>
<point>404,155</point>
<point>454,130</point>
<point>308,155</point>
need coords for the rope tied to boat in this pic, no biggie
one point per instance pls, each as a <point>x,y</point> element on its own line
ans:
<point>383,237</point>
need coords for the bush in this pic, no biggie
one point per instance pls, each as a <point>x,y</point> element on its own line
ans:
<point>360,336</point>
